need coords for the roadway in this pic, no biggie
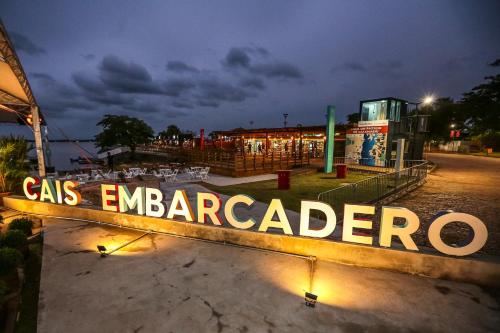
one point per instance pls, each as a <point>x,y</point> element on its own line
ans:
<point>463,183</point>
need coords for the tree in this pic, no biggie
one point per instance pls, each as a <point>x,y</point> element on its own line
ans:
<point>123,130</point>
<point>14,163</point>
<point>445,114</point>
<point>482,103</point>
<point>170,132</point>
<point>353,118</point>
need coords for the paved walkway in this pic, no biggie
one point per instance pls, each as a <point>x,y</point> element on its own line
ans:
<point>218,180</point>
<point>167,284</point>
<point>463,183</point>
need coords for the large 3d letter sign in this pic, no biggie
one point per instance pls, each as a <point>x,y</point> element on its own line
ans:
<point>149,202</point>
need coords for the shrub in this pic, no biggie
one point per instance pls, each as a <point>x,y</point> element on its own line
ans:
<point>9,259</point>
<point>14,163</point>
<point>15,239</point>
<point>489,139</point>
<point>22,224</point>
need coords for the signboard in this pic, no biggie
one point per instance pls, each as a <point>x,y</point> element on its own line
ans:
<point>209,208</point>
<point>364,123</point>
<point>367,144</point>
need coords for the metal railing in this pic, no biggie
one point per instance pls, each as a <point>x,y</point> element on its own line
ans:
<point>374,163</point>
<point>375,188</point>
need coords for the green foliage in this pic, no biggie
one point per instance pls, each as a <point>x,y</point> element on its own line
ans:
<point>15,239</point>
<point>22,224</point>
<point>14,164</point>
<point>353,118</point>
<point>31,288</point>
<point>483,104</point>
<point>443,114</point>
<point>170,132</point>
<point>477,114</point>
<point>123,130</point>
<point>9,259</point>
<point>489,139</point>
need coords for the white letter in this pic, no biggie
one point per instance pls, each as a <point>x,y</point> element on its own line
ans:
<point>181,198</point>
<point>108,198</point>
<point>480,234</point>
<point>150,202</point>
<point>305,211</point>
<point>27,184</point>
<point>47,191</point>
<point>229,211</point>
<point>212,211</point>
<point>72,197</point>
<point>128,201</point>
<point>350,223</point>
<point>387,228</point>
<point>276,207</point>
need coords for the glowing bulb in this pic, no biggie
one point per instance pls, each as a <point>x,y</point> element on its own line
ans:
<point>429,99</point>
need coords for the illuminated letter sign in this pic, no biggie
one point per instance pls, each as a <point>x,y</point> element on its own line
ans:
<point>480,234</point>
<point>149,202</point>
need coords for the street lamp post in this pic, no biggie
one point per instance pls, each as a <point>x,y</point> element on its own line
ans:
<point>427,100</point>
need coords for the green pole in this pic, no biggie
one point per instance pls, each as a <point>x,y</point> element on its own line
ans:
<point>330,138</point>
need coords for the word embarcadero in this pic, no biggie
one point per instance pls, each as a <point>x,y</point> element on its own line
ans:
<point>149,202</point>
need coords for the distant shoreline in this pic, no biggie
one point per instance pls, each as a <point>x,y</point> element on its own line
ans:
<point>65,140</point>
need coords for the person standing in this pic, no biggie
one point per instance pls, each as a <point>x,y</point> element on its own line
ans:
<point>110,162</point>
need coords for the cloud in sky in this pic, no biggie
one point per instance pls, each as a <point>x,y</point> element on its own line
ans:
<point>240,59</point>
<point>116,82</point>
<point>222,65</point>
<point>24,44</point>
<point>180,67</point>
<point>120,76</point>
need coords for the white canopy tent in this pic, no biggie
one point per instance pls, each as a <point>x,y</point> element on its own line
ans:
<point>17,103</point>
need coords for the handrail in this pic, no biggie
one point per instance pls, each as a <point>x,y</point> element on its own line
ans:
<point>391,176</point>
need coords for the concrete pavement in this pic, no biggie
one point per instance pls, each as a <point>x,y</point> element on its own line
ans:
<point>166,284</point>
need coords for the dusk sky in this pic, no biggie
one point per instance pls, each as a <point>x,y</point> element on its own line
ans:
<point>226,64</point>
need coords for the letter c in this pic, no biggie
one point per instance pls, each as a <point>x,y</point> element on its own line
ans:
<point>27,187</point>
<point>229,211</point>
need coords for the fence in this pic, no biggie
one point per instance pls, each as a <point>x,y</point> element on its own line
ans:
<point>373,166</point>
<point>375,188</point>
<point>231,164</point>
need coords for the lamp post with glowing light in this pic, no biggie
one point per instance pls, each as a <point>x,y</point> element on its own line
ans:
<point>427,100</point>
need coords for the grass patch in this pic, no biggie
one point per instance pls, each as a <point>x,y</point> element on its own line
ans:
<point>303,187</point>
<point>29,306</point>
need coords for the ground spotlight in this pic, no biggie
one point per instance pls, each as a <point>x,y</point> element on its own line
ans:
<point>102,250</point>
<point>311,299</point>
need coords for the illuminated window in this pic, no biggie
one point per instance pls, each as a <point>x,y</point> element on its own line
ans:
<point>374,111</point>
<point>395,111</point>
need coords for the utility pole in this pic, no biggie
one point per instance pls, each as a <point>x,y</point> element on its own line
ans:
<point>285,115</point>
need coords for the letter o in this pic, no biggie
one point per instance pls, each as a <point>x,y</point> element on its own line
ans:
<point>480,234</point>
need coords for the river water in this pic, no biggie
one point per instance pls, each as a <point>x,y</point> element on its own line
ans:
<point>62,152</point>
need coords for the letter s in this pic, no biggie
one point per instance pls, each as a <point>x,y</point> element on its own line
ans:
<point>72,197</point>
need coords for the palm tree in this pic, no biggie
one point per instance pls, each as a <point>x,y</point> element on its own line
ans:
<point>14,165</point>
